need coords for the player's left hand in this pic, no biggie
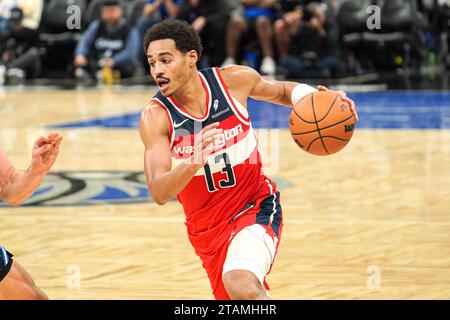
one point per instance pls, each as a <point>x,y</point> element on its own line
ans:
<point>345,98</point>
<point>44,153</point>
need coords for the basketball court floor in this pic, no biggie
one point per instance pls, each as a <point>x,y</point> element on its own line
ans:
<point>370,222</point>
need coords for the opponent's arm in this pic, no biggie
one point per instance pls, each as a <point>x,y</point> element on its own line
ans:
<point>16,186</point>
<point>285,93</point>
<point>164,183</point>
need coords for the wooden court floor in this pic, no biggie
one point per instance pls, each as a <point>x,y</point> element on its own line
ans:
<point>371,222</point>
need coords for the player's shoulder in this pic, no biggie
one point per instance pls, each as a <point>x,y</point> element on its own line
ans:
<point>154,118</point>
<point>237,75</point>
<point>237,71</point>
<point>152,111</point>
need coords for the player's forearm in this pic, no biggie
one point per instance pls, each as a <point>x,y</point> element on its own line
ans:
<point>20,185</point>
<point>293,92</point>
<point>290,93</point>
<point>167,186</point>
<point>285,98</point>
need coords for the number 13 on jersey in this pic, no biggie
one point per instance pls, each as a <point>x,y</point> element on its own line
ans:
<point>230,180</point>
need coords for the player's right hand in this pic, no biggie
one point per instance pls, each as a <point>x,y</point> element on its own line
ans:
<point>204,143</point>
<point>44,153</point>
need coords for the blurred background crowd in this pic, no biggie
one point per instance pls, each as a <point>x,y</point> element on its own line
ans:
<point>101,40</point>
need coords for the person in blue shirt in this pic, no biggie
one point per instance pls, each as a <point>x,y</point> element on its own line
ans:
<point>108,42</point>
<point>258,15</point>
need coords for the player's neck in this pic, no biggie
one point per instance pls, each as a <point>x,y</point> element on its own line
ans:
<point>192,96</point>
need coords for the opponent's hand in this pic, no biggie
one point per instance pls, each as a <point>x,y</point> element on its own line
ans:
<point>204,143</point>
<point>44,153</point>
<point>345,98</point>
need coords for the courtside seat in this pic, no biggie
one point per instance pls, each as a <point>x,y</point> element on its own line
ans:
<point>93,11</point>
<point>390,45</point>
<point>57,38</point>
<point>134,10</point>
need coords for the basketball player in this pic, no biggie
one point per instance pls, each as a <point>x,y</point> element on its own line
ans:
<point>200,147</point>
<point>16,187</point>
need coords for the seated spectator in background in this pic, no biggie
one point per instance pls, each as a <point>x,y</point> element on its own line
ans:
<point>311,44</point>
<point>209,19</point>
<point>19,53</point>
<point>32,12</point>
<point>108,43</point>
<point>258,14</point>
<point>156,11</point>
<point>291,13</point>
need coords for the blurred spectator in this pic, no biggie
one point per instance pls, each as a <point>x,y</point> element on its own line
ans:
<point>209,19</point>
<point>32,11</point>
<point>258,14</point>
<point>156,11</point>
<point>109,43</point>
<point>439,16</point>
<point>312,43</point>
<point>19,51</point>
<point>291,12</point>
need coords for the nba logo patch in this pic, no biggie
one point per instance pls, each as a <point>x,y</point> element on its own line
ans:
<point>216,105</point>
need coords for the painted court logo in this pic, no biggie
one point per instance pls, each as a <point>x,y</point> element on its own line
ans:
<point>81,188</point>
<point>90,188</point>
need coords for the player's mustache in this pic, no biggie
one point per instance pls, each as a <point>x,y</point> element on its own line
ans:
<point>162,78</point>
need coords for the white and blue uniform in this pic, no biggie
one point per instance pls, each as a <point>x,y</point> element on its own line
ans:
<point>5,262</point>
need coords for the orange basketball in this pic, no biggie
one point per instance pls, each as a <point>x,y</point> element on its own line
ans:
<point>321,123</point>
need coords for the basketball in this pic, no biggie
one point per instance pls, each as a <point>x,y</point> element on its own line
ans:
<point>321,123</point>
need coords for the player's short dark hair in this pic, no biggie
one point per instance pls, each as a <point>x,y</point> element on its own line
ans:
<point>185,37</point>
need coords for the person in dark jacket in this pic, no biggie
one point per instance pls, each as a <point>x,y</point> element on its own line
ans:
<point>209,19</point>
<point>312,44</point>
<point>19,53</point>
<point>109,42</point>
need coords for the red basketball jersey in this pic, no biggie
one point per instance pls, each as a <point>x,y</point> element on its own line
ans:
<point>232,177</point>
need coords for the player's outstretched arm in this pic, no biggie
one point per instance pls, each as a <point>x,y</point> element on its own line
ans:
<point>163,182</point>
<point>285,93</point>
<point>16,186</point>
